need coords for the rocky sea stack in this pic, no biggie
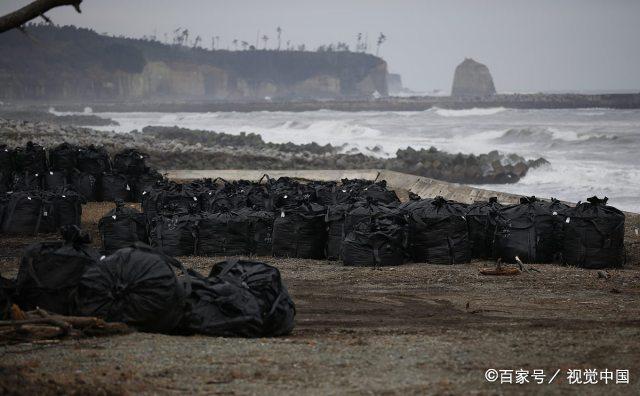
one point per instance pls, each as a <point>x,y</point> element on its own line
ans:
<point>472,79</point>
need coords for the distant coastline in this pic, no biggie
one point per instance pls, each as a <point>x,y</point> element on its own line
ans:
<point>415,103</point>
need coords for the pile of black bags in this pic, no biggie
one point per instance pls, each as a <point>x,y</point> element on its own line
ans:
<point>39,211</point>
<point>148,290</point>
<point>89,171</point>
<point>287,218</point>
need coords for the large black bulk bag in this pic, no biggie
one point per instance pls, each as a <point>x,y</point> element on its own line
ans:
<point>7,295</point>
<point>114,186</point>
<point>4,202</point>
<point>5,181</point>
<point>85,184</point>
<point>26,181</point>
<point>531,230</point>
<point>378,243</point>
<point>594,235</point>
<point>379,193</point>
<point>174,236</point>
<point>32,158</point>
<point>367,210</point>
<point>130,161</point>
<point>55,180</point>
<point>143,183</point>
<point>122,227</point>
<point>336,228</point>
<point>259,198</point>
<point>264,282</point>
<point>481,223</point>
<point>159,201</point>
<point>137,286</point>
<point>50,271</point>
<point>438,232</point>
<point>220,307</point>
<point>63,157</point>
<point>300,232</point>
<point>29,213</point>
<point>261,236</point>
<point>67,207</point>
<point>6,159</point>
<point>93,160</point>
<point>224,234</point>
<point>224,200</point>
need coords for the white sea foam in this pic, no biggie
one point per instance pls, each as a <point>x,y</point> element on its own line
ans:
<point>469,112</point>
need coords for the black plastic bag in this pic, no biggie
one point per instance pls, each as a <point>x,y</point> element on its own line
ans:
<point>137,286</point>
<point>85,184</point>
<point>167,202</point>
<point>265,283</point>
<point>67,207</point>
<point>122,227</point>
<point>224,234</point>
<point>93,160</point>
<point>7,297</point>
<point>50,272</point>
<point>26,181</point>
<point>336,229</point>
<point>130,161</point>
<point>481,223</point>
<point>379,193</point>
<point>300,232</point>
<point>114,186</point>
<point>261,241</point>
<point>55,180</point>
<point>380,242</point>
<point>32,158</point>
<point>143,183</point>
<point>594,235</point>
<point>220,307</point>
<point>5,181</point>
<point>438,232</point>
<point>174,235</point>
<point>531,231</point>
<point>6,159</point>
<point>64,157</point>
<point>29,213</point>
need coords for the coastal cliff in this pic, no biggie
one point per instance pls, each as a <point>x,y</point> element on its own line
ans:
<point>71,64</point>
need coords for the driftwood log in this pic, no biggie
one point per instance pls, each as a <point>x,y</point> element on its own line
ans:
<point>33,10</point>
<point>40,325</point>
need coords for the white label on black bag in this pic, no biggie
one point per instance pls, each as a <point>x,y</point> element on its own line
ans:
<point>568,220</point>
<point>128,188</point>
<point>113,217</point>
<point>195,199</point>
<point>282,214</point>
<point>555,213</point>
<point>45,213</point>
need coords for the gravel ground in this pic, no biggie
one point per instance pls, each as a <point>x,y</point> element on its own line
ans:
<point>412,329</point>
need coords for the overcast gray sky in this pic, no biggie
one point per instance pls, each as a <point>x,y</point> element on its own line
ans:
<point>529,46</point>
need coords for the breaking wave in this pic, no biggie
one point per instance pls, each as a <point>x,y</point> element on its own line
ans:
<point>469,112</point>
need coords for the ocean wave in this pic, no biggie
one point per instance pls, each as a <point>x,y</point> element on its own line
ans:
<point>469,112</point>
<point>553,136</point>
